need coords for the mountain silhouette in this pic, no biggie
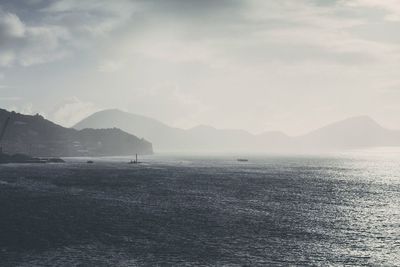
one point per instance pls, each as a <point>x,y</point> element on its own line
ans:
<point>162,136</point>
<point>356,132</point>
<point>36,136</point>
<point>166,138</point>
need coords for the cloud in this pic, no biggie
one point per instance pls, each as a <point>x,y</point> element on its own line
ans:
<point>58,30</point>
<point>26,108</point>
<point>298,31</point>
<point>27,45</point>
<point>72,110</point>
<point>261,32</point>
<point>391,7</point>
<point>200,30</point>
<point>94,17</point>
<point>7,58</point>
<point>11,26</point>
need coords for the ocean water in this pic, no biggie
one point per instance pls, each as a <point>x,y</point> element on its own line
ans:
<point>339,209</point>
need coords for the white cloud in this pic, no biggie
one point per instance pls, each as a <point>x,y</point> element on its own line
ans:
<point>95,17</point>
<point>72,110</point>
<point>11,25</point>
<point>27,44</point>
<point>321,33</point>
<point>391,7</point>
<point>59,30</point>
<point>26,108</point>
<point>6,58</point>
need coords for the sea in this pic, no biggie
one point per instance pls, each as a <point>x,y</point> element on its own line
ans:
<point>339,209</point>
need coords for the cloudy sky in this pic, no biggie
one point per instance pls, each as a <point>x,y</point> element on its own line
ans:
<point>259,65</point>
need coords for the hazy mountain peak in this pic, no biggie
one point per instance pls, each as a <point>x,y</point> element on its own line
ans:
<point>112,111</point>
<point>273,133</point>
<point>203,127</point>
<point>361,119</point>
<point>354,124</point>
<point>110,118</point>
<point>357,131</point>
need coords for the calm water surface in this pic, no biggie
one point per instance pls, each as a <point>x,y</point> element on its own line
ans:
<point>201,211</point>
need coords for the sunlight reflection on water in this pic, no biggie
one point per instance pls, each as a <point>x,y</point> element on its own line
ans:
<point>192,210</point>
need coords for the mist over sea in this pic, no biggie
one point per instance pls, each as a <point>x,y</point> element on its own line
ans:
<point>179,210</point>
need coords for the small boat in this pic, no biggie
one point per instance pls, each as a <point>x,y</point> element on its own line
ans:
<point>90,162</point>
<point>242,160</point>
<point>134,161</point>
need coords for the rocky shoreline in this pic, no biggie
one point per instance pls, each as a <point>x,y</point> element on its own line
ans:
<point>22,158</point>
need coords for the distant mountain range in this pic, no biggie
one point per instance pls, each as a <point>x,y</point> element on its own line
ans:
<point>36,136</point>
<point>356,132</point>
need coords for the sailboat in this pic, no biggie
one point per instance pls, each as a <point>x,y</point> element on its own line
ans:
<point>134,161</point>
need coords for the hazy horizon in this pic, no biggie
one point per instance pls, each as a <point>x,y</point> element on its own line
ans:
<point>325,124</point>
<point>289,66</point>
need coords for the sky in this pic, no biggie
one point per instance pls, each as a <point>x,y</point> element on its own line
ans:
<point>258,65</point>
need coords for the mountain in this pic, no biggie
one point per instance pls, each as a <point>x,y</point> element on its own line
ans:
<point>165,138</point>
<point>356,132</point>
<point>36,136</point>
<point>162,136</point>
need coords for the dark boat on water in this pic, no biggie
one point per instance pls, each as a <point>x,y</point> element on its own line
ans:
<point>242,160</point>
<point>134,161</point>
